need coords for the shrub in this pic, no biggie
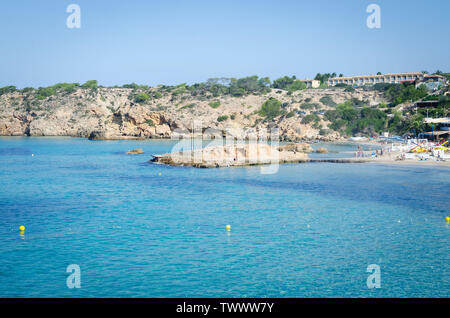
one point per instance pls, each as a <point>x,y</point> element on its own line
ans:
<point>192,105</point>
<point>132,85</point>
<point>141,98</point>
<point>400,93</point>
<point>356,120</point>
<point>290,114</point>
<point>270,109</point>
<point>249,85</point>
<point>222,118</point>
<point>310,106</point>
<point>214,104</point>
<point>92,84</point>
<point>296,86</point>
<point>283,82</point>
<point>67,88</point>
<point>349,89</point>
<point>7,89</point>
<point>328,101</point>
<point>44,92</point>
<point>27,90</point>
<point>355,102</point>
<point>310,118</point>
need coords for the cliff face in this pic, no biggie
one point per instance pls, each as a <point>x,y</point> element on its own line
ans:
<point>113,113</point>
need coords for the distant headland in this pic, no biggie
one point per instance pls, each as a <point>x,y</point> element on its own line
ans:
<point>326,108</point>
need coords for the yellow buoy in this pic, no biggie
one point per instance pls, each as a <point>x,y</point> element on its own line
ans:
<point>228,227</point>
<point>447,219</point>
<point>22,228</point>
<point>159,174</point>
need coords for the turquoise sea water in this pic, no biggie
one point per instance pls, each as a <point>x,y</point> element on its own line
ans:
<point>309,230</point>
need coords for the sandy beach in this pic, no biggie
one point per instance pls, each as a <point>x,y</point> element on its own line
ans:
<point>385,161</point>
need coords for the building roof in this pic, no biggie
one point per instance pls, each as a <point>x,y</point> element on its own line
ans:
<point>443,120</point>
<point>438,132</point>
<point>433,76</point>
<point>375,76</point>
<point>427,103</point>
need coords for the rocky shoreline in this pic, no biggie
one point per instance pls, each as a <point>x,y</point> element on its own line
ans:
<point>264,154</point>
<point>114,113</point>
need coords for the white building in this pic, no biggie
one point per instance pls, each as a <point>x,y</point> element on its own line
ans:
<point>394,78</point>
<point>310,83</point>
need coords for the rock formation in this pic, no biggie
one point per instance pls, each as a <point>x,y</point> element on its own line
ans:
<point>230,155</point>
<point>113,113</point>
<point>297,147</point>
<point>137,151</point>
<point>322,150</point>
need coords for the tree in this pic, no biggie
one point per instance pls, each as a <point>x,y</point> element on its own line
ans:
<point>132,85</point>
<point>7,89</point>
<point>271,108</point>
<point>323,78</point>
<point>283,82</point>
<point>67,88</point>
<point>141,98</point>
<point>92,84</point>
<point>44,92</point>
<point>328,101</point>
<point>222,118</point>
<point>310,118</point>
<point>296,86</point>
<point>415,122</point>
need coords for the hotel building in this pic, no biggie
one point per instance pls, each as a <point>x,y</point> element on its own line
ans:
<point>394,78</point>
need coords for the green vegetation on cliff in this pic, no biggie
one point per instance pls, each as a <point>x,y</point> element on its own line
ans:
<point>270,109</point>
<point>290,84</point>
<point>328,101</point>
<point>358,115</point>
<point>350,120</point>
<point>222,118</point>
<point>92,84</point>
<point>215,104</point>
<point>400,93</point>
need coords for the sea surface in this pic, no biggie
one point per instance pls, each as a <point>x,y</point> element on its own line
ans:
<point>138,229</point>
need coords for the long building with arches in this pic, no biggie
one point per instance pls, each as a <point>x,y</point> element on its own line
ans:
<point>393,78</point>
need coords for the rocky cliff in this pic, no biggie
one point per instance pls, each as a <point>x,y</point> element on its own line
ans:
<point>110,113</point>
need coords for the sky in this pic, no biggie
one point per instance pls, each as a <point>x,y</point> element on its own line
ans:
<point>188,41</point>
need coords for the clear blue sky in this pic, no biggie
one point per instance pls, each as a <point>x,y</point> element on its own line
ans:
<point>170,41</point>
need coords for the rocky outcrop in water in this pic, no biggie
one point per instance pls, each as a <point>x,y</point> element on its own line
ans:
<point>137,151</point>
<point>297,147</point>
<point>230,155</point>
<point>322,150</point>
